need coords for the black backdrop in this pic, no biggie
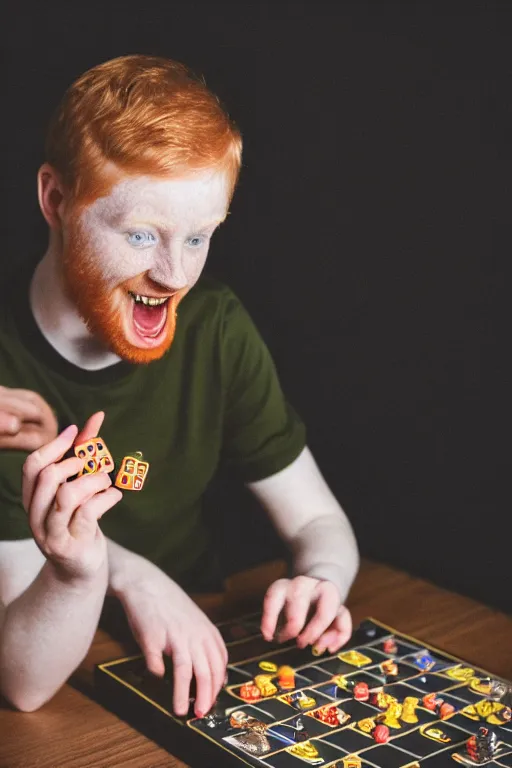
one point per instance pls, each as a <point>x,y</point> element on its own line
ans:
<point>368,238</point>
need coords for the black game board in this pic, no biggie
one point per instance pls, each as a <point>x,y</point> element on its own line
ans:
<point>125,687</point>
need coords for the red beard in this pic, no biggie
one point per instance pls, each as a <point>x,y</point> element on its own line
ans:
<point>107,311</point>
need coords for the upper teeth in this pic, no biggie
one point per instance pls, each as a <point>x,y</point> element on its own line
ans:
<point>148,300</point>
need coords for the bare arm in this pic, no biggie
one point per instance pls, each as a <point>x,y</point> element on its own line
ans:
<point>47,622</point>
<point>312,523</point>
<point>51,594</point>
<point>310,520</point>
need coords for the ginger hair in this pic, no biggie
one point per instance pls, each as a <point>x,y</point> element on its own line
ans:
<point>138,115</point>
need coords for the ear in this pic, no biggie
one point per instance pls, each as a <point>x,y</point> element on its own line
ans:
<point>51,194</point>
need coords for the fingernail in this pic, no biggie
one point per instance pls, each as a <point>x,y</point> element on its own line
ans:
<point>68,430</point>
<point>13,425</point>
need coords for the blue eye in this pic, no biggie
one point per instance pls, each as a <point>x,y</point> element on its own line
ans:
<point>197,241</point>
<point>141,239</point>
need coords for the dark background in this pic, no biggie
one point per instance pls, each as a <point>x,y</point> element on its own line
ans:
<point>368,238</point>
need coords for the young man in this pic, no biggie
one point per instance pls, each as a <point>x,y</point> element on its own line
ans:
<point>142,162</point>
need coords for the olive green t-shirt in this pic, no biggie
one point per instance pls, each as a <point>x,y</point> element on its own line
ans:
<point>214,398</point>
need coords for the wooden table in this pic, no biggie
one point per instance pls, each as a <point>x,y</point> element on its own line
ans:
<point>72,731</point>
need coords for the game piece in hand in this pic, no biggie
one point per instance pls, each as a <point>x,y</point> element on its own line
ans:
<point>286,678</point>
<point>132,473</point>
<point>361,692</point>
<point>250,692</point>
<point>409,710</point>
<point>96,455</point>
<point>389,645</point>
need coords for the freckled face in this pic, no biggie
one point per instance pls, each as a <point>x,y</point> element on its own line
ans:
<point>130,257</point>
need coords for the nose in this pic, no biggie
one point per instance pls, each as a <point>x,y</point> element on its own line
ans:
<point>168,271</point>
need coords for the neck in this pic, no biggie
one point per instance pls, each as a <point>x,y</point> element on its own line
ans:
<point>59,321</point>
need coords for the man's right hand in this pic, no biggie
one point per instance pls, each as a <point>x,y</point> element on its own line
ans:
<point>26,420</point>
<point>64,515</point>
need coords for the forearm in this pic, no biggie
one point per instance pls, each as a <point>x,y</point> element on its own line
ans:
<point>45,634</point>
<point>326,549</point>
<point>126,567</point>
<point>310,520</point>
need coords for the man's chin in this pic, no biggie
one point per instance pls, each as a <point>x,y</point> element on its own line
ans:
<point>134,348</point>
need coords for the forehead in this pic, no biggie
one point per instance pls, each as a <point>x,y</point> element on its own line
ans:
<point>203,195</point>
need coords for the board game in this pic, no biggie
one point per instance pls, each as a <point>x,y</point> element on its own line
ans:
<point>385,700</point>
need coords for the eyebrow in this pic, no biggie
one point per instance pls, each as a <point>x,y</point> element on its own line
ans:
<point>160,224</point>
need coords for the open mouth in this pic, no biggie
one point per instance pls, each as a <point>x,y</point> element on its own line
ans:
<point>149,317</point>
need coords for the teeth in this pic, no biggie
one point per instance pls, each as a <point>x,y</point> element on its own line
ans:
<point>147,300</point>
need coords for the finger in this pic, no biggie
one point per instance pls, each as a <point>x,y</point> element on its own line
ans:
<point>91,428</point>
<point>27,439</point>
<point>217,670</point>
<point>327,606</point>
<point>46,489</point>
<point>298,599</point>
<point>337,634</point>
<point>25,410</point>
<point>86,517</point>
<point>153,654</point>
<point>182,667</point>
<point>272,606</point>
<point>204,686</point>
<point>38,460</point>
<point>9,422</point>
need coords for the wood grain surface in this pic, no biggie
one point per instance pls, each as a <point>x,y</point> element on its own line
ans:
<point>72,731</point>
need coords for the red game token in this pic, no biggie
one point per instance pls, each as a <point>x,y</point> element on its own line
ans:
<point>381,734</point>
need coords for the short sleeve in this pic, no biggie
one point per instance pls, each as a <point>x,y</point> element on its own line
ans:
<point>13,519</point>
<point>262,433</point>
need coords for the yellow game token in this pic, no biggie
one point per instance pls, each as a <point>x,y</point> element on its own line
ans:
<point>268,666</point>
<point>355,658</point>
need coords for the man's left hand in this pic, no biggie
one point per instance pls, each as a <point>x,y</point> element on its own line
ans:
<point>330,625</point>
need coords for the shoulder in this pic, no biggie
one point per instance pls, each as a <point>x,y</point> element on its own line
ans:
<point>211,300</point>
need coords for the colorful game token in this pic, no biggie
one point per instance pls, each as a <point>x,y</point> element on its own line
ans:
<point>460,673</point>
<point>286,678</point>
<point>445,710</point>
<point>389,645</point>
<point>96,455</point>
<point>381,734</point>
<point>389,668</point>
<point>331,715</point>
<point>361,692</point>
<point>250,692</point>
<point>293,732</point>
<point>355,657</point>
<point>409,710</point>
<point>352,761</point>
<point>307,751</point>
<point>392,715</point>
<point>268,666</point>
<point>265,685</point>
<point>132,473</point>
<point>423,661</point>
<point>435,733</point>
